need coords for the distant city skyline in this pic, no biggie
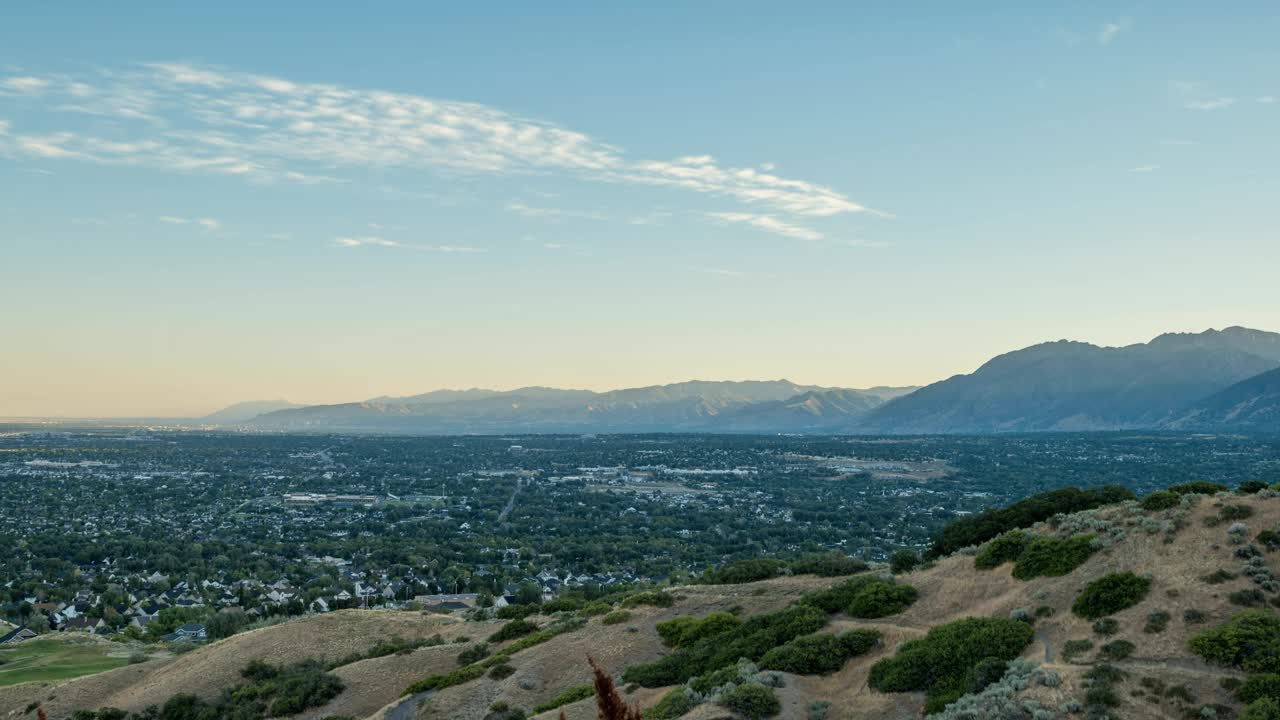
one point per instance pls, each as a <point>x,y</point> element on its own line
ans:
<point>207,205</point>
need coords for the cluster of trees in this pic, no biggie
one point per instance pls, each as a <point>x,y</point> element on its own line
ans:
<point>977,529</point>
<point>864,597</point>
<point>820,653</point>
<point>946,662</point>
<point>1250,640</point>
<point>1035,555</point>
<point>751,640</point>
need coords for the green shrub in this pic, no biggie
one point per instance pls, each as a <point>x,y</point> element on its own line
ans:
<point>1199,487</point>
<point>572,695</point>
<point>1264,709</point>
<point>1161,500</point>
<point>1235,512</point>
<point>501,671</point>
<point>752,701</point>
<point>1251,487</point>
<point>516,612</point>
<point>616,617</point>
<point>513,630</point>
<point>1157,622</point>
<point>881,599</point>
<point>473,654</point>
<point>818,710</point>
<point>903,561</point>
<point>1218,577</point>
<point>685,630</point>
<point>1252,597</point>
<point>656,598</point>
<point>828,565</point>
<point>673,705</point>
<point>562,605</point>
<point>440,682</point>
<point>1116,650</point>
<point>1106,626</point>
<point>864,597</point>
<point>743,571</point>
<point>1192,616</point>
<point>1250,640</point>
<point>1044,611</point>
<point>1002,549</point>
<point>942,663</point>
<point>1053,557</point>
<point>1270,539</point>
<point>819,654</point>
<point>272,691</point>
<point>1072,649</point>
<point>977,529</point>
<point>751,640</point>
<point>593,609</point>
<point>1264,685</point>
<point>1110,594</point>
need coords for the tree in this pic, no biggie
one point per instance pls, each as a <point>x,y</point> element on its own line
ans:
<point>528,594</point>
<point>904,561</point>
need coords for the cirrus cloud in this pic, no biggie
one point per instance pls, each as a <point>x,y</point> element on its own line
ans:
<point>191,118</point>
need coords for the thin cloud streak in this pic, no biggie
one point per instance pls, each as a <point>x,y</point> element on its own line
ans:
<point>187,118</point>
<point>768,223</point>
<point>375,241</point>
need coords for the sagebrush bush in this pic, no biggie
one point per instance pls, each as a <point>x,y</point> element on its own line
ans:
<point>1110,594</point>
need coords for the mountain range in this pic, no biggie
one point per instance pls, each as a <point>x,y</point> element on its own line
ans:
<point>1217,380</point>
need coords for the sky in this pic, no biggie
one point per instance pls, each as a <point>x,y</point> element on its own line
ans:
<point>204,204</point>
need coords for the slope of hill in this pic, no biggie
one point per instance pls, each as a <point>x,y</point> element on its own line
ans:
<point>687,406</point>
<point>1075,386</point>
<point>1196,572</point>
<point>1252,404</point>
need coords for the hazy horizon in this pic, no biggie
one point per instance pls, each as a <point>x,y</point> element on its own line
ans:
<point>334,205</point>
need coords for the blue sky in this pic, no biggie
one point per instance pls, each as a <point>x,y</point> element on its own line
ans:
<point>204,205</point>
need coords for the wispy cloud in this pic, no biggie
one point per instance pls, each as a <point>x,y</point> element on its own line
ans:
<point>1144,168</point>
<point>1172,142</point>
<point>375,241</point>
<point>1198,96</point>
<point>1266,99</point>
<point>1211,104</point>
<point>538,211</point>
<point>1110,30</point>
<point>207,223</point>
<point>724,272</point>
<point>24,84</point>
<point>768,223</point>
<point>189,118</point>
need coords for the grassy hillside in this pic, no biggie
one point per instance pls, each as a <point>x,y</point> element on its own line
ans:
<point>1104,624</point>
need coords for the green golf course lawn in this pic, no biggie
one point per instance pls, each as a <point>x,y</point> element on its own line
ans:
<point>52,659</point>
